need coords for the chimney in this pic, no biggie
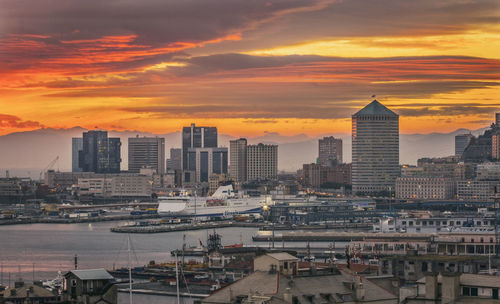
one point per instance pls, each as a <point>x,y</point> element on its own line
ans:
<point>431,285</point>
<point>287,296</point>
<point>450,286</point>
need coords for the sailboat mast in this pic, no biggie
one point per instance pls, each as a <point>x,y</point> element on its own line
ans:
<point>129,270</point>
<point>177,278</point>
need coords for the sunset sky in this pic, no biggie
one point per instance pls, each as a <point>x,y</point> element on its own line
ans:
<point>246,66</point>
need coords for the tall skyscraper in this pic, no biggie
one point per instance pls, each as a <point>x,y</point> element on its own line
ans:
<point>175,160</point>
<point>329,151</point>
<point>146,152</point>
<point>238,159</point>
<point>375,149</point>
<point>99,153</point>
<point>497,119</point>
<point>262,162</point>
<point>76,147</point>
<point>207,161</point>
<point>461,142</point>
<point>197,137</point>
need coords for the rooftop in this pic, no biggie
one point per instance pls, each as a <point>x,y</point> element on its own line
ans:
<point>479,280</point>
<point>317,288</point>
<point>282,256</point>
<point>92,274</point>
<point>375,108</point>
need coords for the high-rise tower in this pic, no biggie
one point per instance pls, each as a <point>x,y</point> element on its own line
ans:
<point>375,149</point>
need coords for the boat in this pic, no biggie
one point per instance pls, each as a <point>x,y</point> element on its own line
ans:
<point>224,202</point>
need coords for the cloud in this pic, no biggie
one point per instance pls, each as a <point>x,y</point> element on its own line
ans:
<point>14,122</point>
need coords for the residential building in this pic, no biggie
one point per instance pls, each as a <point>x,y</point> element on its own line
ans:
<point>330,151</point>
<point>495,145</point>
<point>238,159</point>
<point>197,137</point>
<point>146,152</point>
<point>175,160</point>
<point>316,175</point>
<point>90,286</point>
<point>262,162</point>
<point>375,149</point>
<point>23,292</point>
<point>207,161</point>
<point>277,279</point>
<point>99,153</point>
<point>478,190</point>
<point>438,188</point>
<point>76,147</point>
<point>452,287</point>
<point>488,171</point>
<point>461,142</point>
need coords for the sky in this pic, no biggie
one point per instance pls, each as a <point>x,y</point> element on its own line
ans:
<point>248,67</point>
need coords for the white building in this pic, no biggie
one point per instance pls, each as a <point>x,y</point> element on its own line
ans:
<point>118,185</point>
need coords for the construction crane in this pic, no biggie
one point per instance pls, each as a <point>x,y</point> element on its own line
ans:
<point>49,166</point>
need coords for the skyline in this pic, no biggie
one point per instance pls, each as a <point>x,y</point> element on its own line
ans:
<point>249,68</point>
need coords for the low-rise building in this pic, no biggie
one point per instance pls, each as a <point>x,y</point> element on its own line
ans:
<point>90,286</point>
<point>477,190</point>
<point>425,188</point>
<point>119,185</point>
<point>23,293</point>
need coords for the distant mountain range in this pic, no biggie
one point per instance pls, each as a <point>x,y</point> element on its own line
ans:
<point>28,153</point>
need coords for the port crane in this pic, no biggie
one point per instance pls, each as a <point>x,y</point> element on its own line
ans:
<point>48,167</point>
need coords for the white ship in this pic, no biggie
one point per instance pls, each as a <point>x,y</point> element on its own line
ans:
<point>223,202</point>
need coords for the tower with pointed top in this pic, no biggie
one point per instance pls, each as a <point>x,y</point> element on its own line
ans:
<point>375,149</point>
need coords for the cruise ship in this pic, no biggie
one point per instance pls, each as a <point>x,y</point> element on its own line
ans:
<point>223,202</point>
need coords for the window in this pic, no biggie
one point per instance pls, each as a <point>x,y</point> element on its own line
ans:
<point>465,291</point>
<point>473,291</point>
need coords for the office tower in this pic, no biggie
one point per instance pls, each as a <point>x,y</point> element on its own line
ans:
<point>495,146</point>
<point>146,152</point>
<point>238,153</point>
<point>330,151</point>
<point>175,160</point>
<point>262,162</point>
<point>99,153</point>
<point>461,142</point>
<point>76,147</point>
<point>375,149</point>
<point>497,119</point>
<point>207,161</point>
<point>197,137</point>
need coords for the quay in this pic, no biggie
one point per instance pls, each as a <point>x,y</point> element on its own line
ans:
<point>48,220</point>
<point>184,227</point>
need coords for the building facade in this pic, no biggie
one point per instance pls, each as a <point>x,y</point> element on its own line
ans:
<point>99,153</point>
<point>495,145</point>
<point>316,175</point>
<point>197,137</point>
<point>262,162</point>
<point>375,149</point>
<point>477,190</point>
<point>146,152</point>
<point>425,188</point>
<point>330,151</point>
<point>207,161</point>
<point>175,160</point>
<point>238,158</point>
<point>76,147</point>
<point>116,185</point>
<point>461,142</point>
